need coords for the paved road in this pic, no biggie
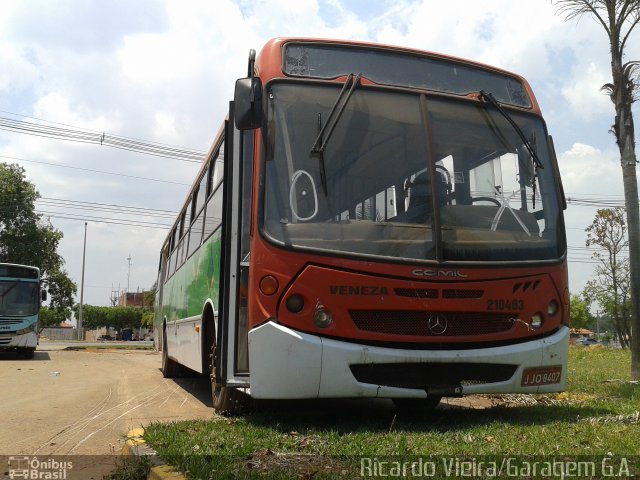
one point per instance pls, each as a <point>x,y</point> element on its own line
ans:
<point>83,402</point>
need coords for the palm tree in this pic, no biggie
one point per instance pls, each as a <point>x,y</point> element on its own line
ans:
<point>619,18</point>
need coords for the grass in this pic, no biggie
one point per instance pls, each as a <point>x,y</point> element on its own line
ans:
<point>130,468</point>
<point>596,416</point>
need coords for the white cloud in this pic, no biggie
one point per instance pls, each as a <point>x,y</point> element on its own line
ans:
<point>165,127</point>
<point>57,105</point>
<point>16,69</point>
<point>586,169</point>
<point>583,95</point>
<point>500,33</point>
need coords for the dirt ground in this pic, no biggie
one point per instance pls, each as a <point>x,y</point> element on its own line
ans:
<point>82,403</point>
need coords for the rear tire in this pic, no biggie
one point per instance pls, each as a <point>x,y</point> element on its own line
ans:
<point>417,405</point>
<point>170,368</point>
<point>226,401</point>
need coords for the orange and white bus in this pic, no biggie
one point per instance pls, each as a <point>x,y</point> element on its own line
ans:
<point>371,221</point>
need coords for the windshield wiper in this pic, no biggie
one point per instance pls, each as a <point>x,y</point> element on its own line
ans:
<point>332,120</point>
<point>492,100</point>
<point>11,287</point>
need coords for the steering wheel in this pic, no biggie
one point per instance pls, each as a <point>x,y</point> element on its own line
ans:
<point>487,199</point>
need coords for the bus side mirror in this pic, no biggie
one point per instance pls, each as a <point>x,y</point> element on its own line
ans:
<point>43,295</point>
<point>248,103</point>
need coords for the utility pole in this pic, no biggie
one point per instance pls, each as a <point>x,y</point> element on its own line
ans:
<point>84,252</point>
<point>128,278</point>
<point>115,295</point>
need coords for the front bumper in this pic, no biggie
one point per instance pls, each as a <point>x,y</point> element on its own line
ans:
<point>26,340</point>
<point>287,364</point>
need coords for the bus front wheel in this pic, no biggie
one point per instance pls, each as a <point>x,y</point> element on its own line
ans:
<point>226,401</point>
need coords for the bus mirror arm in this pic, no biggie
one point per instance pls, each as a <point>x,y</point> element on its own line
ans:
<point>248,98</point>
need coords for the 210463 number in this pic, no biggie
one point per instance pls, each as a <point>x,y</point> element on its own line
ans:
<point>514,305</point>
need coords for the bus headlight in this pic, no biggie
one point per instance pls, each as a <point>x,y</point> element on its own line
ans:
<point>322,318</point>
<point>536,321</point>
<point>552,308</point>
<point>23,331</point>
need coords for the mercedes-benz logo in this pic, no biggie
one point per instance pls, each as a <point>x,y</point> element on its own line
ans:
<point>437,324</point>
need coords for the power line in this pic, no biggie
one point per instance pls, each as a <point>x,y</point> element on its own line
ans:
<point>81,205</point>
<point>101,138</point>
<point>90,211</point>
<point>599,202</point>
<point>115,221</point>
<point>93,171</point>
<point>91,205</point>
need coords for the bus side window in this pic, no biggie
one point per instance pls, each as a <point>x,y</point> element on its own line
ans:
<point>187,216</point>
<point>170,257</point>
<point>217,171</point>
<point>195,235</point>
<point>214,173</point>
<point>171,265</point>
<point>193,205</point>
<point>181,229</point>
<point>210,176</point>
<point>202,194</point>
<point>213,217</point>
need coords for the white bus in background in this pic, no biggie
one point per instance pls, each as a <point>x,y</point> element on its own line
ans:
<point>20,297</point>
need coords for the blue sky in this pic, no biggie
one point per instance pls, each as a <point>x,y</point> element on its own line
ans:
<point>163,71</point>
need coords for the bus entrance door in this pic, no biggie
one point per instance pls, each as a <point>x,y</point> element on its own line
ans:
<point>232,358</point>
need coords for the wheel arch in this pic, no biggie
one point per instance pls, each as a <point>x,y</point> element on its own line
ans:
<point>161,334</point>
<point>209,327</point>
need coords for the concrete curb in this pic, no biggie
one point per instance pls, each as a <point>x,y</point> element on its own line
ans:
<point>137,447</point>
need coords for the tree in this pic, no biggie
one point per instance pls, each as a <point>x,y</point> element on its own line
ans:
<point>580,315</point>
<point>149,305</point>
<point>610,287</point>
<point>30,239</point>
<point>61,292</point>
<point>118,318</point>
<point>619,18</point>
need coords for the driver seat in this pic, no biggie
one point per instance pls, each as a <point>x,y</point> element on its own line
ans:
<point>419,194</point>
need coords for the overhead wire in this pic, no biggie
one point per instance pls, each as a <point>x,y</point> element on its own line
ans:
<point>42,129</point>
<point>93,171</point>
<point>115,221</point>
<point>108,207</point>
<point>128,215</point>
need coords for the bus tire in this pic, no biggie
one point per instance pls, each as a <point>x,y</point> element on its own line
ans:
<point>417,405</point>
<point>170,368</point>
<point>28,352</point>
<point>226,401</point>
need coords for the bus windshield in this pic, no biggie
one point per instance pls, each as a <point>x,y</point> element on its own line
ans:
<point>19,298</point>
<point>408,176</point>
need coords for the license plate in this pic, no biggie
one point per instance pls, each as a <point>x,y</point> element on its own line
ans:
<point>533,377</point>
